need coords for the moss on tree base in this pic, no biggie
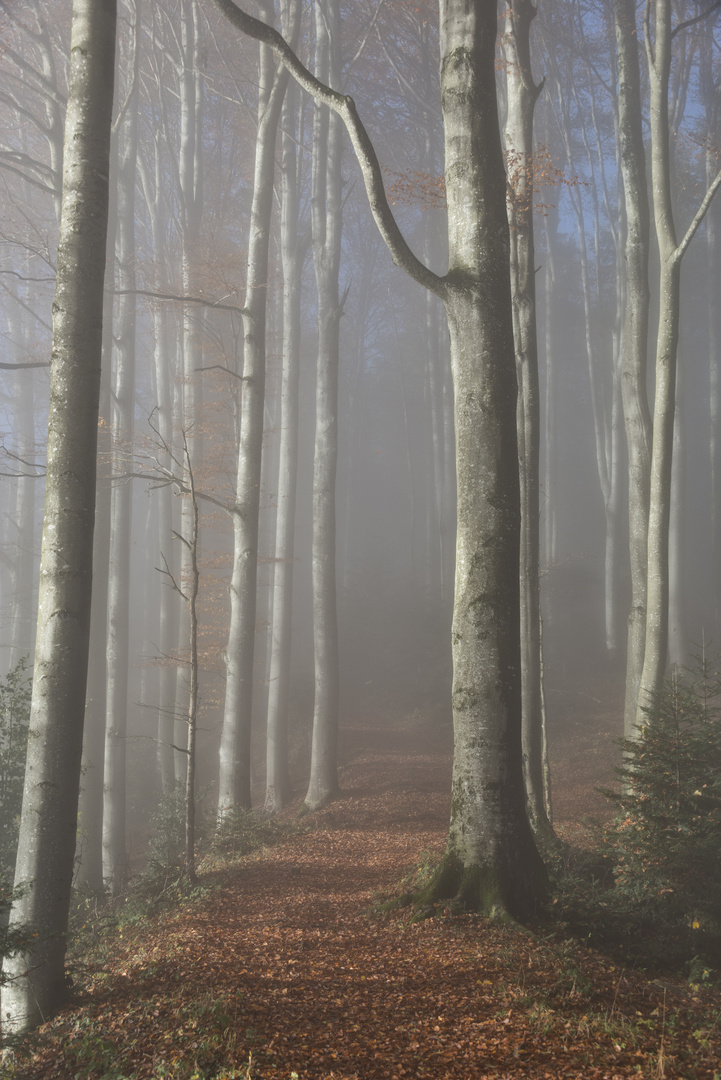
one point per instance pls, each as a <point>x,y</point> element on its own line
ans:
<point>496,892</point>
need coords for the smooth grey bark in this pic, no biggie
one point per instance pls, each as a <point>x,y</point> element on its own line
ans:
<point>326,226</point>
<point>89,853</point>
<point>492,863</point>
<point>50,799</point>
<point>710,96</point>
<point>151,178</point>
<point>658,38</point>
<point>521,96</point>
<point>22,523</point>
<point>234,775</point>
<point>492,860</point>
<point>277,781</point>
<point>190,595</point>
<point>637,416</point>
<point>123,425</point>
<point>190,177</point>
<point>678,639</point>
<point>550,499</point>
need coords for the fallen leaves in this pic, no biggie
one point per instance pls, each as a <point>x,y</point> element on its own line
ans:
<point>288,971</point>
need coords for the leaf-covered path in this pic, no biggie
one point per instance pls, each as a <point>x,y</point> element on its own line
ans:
<point>286,967</point>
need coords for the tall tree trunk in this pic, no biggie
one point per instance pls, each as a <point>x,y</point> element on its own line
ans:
<point>48,822</point>
<point>277,782</point>
<point>550,500</point>
<point>636,411</point>
<point>118,639</point>
<point>658,38</point>
<point>23,517</point>
<point>492,863</point>
<point>521,96</point>
<point>151,178</point>
<point>710,92</point>
<point>89,856</point>
<point>234,779</point>
<point>191,204</point>
<point>326,227</point>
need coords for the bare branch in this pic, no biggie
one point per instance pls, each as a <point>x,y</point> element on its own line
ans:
<point>690,22</point>
<point>180,299</point>
<point>698,218</point>
<point>345,107</point>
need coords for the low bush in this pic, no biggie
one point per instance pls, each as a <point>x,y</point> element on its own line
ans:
<point>654,883</point>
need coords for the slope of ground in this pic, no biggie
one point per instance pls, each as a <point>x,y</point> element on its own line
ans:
<point>283,971</point>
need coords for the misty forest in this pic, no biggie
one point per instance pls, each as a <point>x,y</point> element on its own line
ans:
<point>360,538</point>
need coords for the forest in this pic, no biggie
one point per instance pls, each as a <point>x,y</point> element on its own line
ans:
<point>360,538</point>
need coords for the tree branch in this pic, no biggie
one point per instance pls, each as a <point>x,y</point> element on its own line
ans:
<point>345,107</point>
<point>216,304</point>
<point>690,22</point>
<point>698,218</point>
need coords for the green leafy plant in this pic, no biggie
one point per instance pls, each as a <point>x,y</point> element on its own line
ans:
<point>653,886</point>
<point>665,840</point>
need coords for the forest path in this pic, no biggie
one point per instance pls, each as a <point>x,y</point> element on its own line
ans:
<point>283,969</point>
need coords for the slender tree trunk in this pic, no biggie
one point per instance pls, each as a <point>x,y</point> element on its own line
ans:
<point>521,96</point>
<point>89,856</point>
<point>191,204</point>
<point>658,52</point>
<point>118,639</point>
<point>23,517</point>
<point>550,501</point>
<point>190,595</point>
<point>151,178</point>
<point>277,784</point>
<point>678,640</point>
<point>52,779</point>
<point>234,778</point>
<point>636,411</point>
<point>326,225</point>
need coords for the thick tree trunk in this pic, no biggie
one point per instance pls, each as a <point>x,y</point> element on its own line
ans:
<point>50,800</point>
<point>492,860</point>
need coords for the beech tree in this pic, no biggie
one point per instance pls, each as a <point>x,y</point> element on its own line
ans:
<point>491,863</point>
<point>234,779</point>
<point>636,411</point>
<point>658,37</point>
<point>50,799</point>
<point>326,225</point>
<point>521,96</point>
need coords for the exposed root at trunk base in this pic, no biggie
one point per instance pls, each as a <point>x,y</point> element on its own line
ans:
<point>496,892</point>
<point>318,803</point>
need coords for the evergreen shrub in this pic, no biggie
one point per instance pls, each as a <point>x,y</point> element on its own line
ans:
<point>653,886</point>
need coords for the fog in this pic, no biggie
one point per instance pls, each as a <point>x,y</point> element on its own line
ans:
<point>197,107</point>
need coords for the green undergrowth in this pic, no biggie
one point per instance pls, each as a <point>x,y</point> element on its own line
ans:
<point>650,888</point>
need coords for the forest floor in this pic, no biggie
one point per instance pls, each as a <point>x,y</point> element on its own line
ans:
<point>284,968</point>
